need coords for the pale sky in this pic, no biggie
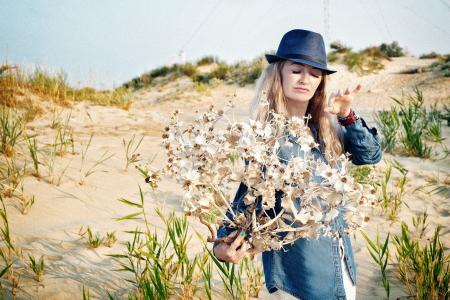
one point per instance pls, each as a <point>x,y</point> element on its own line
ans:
<point>104,43</point>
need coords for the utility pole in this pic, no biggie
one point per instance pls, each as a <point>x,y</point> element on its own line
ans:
<point>326,20</point>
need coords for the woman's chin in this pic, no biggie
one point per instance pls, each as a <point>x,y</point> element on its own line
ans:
<point>299,100</point>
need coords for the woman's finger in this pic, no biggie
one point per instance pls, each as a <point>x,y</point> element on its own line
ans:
<point>331,109</point>
<point>245,246</point>
<point>331,99</point>
<point>238,240</point>
<point>242,252</point>
<point>230,237</point>
<point>233,234</point>
<point>357,89</point>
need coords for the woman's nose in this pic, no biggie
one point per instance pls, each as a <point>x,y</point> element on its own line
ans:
<point>304,76</point>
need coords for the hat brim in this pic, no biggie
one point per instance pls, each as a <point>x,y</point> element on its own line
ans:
<point>274,58</point>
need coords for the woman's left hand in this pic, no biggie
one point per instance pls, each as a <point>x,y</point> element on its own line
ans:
<point>341,104</point>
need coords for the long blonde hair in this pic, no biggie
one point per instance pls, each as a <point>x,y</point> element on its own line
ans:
<point>269,87</point>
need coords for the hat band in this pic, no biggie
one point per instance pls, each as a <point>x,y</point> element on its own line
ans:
<point>306,57</point>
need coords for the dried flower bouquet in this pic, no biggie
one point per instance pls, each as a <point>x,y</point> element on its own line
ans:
<point>211,155</point>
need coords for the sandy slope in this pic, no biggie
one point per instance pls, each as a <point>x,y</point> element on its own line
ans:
<point>51,228</point>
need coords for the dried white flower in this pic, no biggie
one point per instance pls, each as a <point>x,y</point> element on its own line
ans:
<point>343,184</point>
<point>208,160</point>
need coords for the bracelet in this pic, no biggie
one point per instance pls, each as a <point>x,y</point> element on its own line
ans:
<point>350,119</point>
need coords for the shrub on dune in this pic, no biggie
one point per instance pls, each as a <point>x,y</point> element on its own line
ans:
<point>392,50</point>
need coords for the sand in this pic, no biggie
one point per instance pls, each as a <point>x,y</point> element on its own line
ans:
<point>52,226</point>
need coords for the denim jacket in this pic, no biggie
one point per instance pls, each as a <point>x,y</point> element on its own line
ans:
<point>310,269</point>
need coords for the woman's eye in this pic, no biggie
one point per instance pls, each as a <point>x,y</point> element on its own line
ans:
<point>315,75</point>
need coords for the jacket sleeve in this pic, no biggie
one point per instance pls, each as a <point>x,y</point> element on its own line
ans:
<point>362,143</point>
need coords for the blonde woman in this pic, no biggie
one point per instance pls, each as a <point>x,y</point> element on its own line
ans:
<point>295,83</point>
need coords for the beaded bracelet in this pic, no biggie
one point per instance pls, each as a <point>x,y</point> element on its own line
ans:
<point>350,119</point>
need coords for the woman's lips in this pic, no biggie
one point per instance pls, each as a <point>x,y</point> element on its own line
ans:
<point>301,90</point>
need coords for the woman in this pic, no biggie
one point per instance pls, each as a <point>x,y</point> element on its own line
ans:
<point>295,83</point>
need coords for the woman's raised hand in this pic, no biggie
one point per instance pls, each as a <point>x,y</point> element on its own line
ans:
<point>341,104</point>
<point>235,251</point>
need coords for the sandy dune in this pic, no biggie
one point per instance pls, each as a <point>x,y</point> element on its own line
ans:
<point>51,228</point>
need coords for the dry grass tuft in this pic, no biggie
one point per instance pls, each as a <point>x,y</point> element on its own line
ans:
<point>18,86</point>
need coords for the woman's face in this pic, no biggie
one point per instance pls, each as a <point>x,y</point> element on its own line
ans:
<point>299,81</point>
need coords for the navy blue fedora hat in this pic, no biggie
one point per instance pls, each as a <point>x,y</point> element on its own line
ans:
<point>302,46</point>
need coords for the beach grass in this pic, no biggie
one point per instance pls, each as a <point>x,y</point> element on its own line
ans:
<point>412,124</point>
<point>94,167</point>
<point>131,147</point>
<point>241,73</point>
<point>12,174</point>
<point>8,252</point>
<point>369,60</point>
<point>392,192</point>
<point>418,260</point>
<point>392,49</point>
<point>110,239</point>
<point>429,55</point>
<point>25,201</point>
<point>16,86</point>
<point>379,252</point>
<point>388,122</point>
<point>423,266</point>
<point>33,150</point>
<point>12,127</point>
<point>37,266</point>
<point>161,265</point>
<point>437,185</point>
<point>64,137</point>
<point>94,239</point>
<point>442,66</point>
